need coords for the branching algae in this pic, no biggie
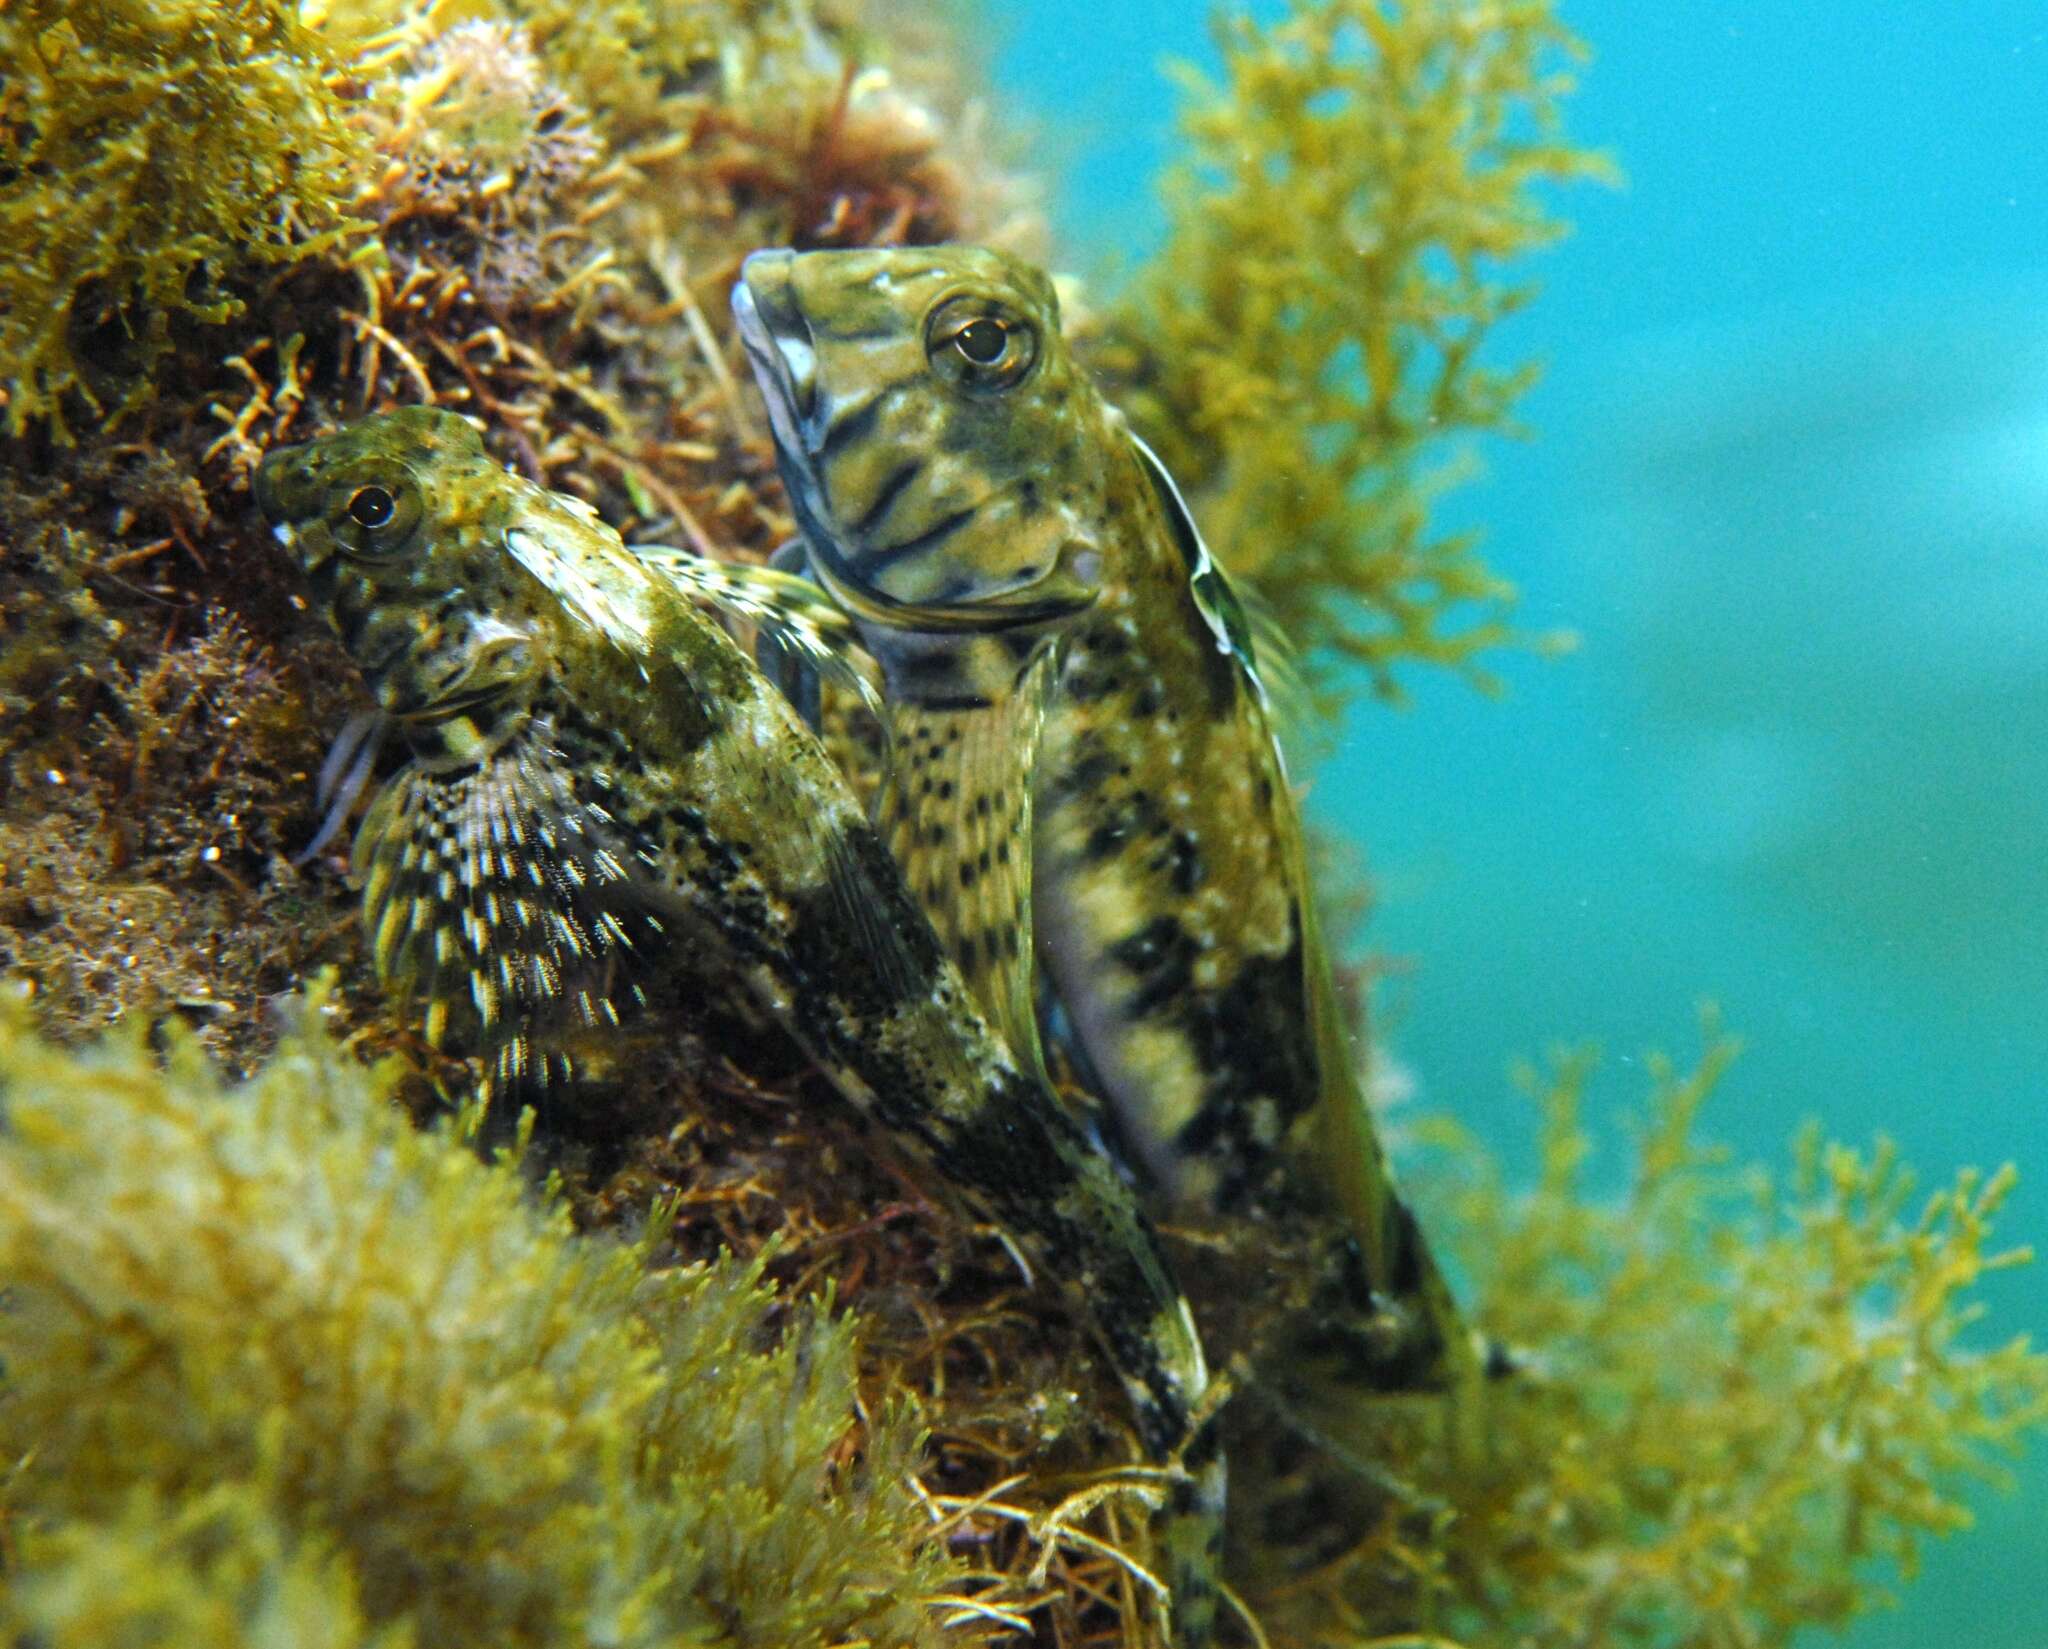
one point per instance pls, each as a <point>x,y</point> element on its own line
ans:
<point>1305,352</point>
<point>1749,1394</point>
<point>277,1364</point>
<point>145,148</point>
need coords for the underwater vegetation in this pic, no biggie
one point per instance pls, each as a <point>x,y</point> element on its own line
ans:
<point>277,1354</point>
<point>183,138</point>
<point>289,1365</point>
<point>154,155</point>
<point>1752,1393</point>
<point>274,1355</point>
<point>1306,352</point>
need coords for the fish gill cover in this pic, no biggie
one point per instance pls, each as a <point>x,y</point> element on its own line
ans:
<point>231,224</point>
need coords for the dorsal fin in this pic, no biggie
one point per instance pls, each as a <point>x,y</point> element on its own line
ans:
<point>1218,601</point>
<point>799,615</point>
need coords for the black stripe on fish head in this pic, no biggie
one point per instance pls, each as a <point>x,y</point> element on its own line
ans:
<point>915,482</point>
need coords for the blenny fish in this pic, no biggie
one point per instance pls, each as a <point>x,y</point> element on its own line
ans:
<point>600,786</point>
<point>1084,757</point>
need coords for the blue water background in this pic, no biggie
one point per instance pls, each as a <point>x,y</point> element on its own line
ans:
<point>1790,485</point>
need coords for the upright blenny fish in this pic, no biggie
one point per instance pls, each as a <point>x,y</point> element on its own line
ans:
<point>1067,670</point>
<point>601,786</point>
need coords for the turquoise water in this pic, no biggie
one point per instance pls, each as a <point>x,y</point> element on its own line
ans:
<point>1790,486</point>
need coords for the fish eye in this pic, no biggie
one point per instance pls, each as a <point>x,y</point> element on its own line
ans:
<point>375,514</point>
<point>371,507</point>
<point>974,345</point>
<point>982,341</point>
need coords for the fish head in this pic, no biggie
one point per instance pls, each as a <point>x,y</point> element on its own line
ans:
<point>399,522</point>
<point>933,430</point>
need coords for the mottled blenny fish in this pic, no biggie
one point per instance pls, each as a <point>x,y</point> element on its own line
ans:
<point>600,785</point>
<point>1082,747</point>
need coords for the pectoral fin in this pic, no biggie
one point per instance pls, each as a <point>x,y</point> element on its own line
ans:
<point>956,812</point>
<point>787,664</point>
<point>505,905</point>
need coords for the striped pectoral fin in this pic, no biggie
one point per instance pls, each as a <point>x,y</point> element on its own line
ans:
<point>504,906</point>
<point>955,809</point>
<point>798,623</point>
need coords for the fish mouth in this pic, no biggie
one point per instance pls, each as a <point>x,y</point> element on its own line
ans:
<point>264,486</point>
<point>779,345</point>
<point>1011,610</point>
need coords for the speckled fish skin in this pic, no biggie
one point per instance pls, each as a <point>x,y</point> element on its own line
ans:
<point>969,646</point>
<point>600,783</point>
<point>973,515</point>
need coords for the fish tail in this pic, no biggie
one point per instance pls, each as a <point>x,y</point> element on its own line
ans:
<point>1159,1356</point>
<point>1419,1339</point>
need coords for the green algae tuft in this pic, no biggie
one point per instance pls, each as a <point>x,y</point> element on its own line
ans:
<point>277,1337</point>
<point>146,148</point>
<point>277,1354</point>
<point>217,1569</point>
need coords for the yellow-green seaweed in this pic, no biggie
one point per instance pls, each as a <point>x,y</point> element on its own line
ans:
<point>1747,1397</point>
<point>218,1569</point>
<point>276,1354</point>
<point>432,1392</point>
<point>1308,349</point>
<point>145,147</point>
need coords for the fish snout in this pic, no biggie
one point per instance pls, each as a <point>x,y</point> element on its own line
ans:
<point>767,278</point>
<point>268,481</point>
<point>774,329</point>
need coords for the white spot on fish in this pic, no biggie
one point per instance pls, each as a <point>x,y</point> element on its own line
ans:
<point>797,356</point>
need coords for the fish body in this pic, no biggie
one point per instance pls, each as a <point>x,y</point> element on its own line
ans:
<point>979,509</point>
<point>601,787</point>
